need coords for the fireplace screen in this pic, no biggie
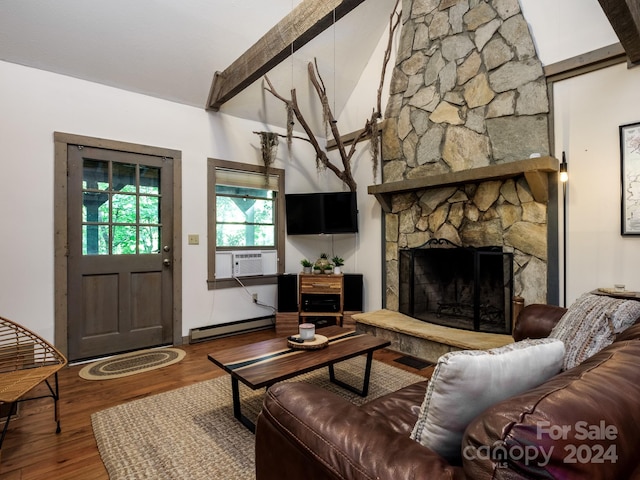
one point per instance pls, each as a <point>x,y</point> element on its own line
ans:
<point>459,287</point>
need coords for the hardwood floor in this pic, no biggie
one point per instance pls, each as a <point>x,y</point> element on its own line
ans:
<point>33,451</point>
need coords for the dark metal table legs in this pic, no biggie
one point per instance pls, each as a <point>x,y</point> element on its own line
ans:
<point>365,385</point>
<point>236,406</point>
<point>235,390</point>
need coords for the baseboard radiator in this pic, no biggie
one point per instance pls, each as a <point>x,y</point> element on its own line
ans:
<point>210,332</point>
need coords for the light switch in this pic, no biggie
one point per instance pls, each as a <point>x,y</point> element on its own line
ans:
<point>194,239</point>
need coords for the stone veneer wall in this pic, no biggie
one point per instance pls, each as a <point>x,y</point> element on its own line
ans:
<point>467,91</point>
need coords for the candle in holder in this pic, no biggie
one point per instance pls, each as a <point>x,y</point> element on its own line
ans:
<point>307,331</point>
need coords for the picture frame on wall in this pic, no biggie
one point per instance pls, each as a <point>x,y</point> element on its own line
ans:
<point>630,178</point>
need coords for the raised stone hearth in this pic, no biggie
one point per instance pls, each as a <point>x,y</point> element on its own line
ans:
<point>424,340</point>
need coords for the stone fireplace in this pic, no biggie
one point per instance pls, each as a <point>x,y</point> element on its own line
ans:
<point>466,140</point>
<point>467,288</point>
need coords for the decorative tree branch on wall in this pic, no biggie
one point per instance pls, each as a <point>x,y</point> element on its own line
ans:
<point>370,130</point>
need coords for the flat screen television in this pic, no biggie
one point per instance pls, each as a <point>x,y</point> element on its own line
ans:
<point>317,213</point>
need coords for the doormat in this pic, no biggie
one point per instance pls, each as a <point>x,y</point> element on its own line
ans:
<point>413,362</point>
<point>131,363</point>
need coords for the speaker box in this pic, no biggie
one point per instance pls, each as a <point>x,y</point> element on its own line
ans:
<point>353,292</point>
<point>287,293</point>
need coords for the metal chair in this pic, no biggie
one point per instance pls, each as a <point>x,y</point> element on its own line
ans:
<point>26,360</point>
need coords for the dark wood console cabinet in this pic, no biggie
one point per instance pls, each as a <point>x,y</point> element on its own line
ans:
<point>320,297</point>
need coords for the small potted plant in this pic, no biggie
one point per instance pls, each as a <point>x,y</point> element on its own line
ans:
<point>323,260</point>
<point>337,264</point>
<point>325,268</point>
<point>306,265</point>
<point>322,264</point>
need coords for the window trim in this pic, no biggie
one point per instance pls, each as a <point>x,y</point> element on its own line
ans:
<point>212,282</point>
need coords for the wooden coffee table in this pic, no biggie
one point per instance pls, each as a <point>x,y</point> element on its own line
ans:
<point>264,363</point>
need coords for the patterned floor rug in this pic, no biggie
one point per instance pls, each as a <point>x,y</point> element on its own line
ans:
<point>191,432</point>
<point>131,363</point>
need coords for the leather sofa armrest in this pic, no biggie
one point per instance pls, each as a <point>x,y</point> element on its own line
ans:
<point>306,432</point>
<point>594,403</point>
<point>536,321</point>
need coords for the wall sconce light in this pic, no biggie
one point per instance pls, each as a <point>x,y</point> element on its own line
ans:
<point>564,176</point>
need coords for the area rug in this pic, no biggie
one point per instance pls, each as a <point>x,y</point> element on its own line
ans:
<point>131,363</point>
<point>190,433</point>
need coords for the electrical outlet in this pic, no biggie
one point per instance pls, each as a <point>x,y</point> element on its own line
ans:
<point>255,297</point>
<point>193,239</point>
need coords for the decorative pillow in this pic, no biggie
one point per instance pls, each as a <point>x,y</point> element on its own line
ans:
<point>467,382</point>
<point>591,323</point>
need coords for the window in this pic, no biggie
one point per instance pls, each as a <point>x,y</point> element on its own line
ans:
<point>246,212</point>
<point>120,208</point>
<point>245,217</point>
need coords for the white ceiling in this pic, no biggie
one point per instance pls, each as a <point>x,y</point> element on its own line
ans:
<point>171,49</point>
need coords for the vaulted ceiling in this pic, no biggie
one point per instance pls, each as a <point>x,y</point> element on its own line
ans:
<point>172,50</point>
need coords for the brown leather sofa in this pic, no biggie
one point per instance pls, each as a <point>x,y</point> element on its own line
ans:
<point>583,423</point>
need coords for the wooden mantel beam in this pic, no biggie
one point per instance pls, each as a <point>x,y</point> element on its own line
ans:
<point>535,170</point>
<point>303,24</point>
<point>624,16</point>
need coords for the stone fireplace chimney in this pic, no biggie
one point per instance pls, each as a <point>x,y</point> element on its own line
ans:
<point>466,138</point>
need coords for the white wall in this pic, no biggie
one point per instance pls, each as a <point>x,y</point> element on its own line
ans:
<point>589,110</point>
<point>566,28</point>
<point>34,104</point>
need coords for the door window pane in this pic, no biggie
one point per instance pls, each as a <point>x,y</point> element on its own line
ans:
<point>124,208</point>
<point>149,209</point>
<point>95,240</point>
<point>149,240</point>
<point>95,175</point>
<point>117,218</point>
<point>124,240</point>
<point>124,177</point>
<point>95,207</point>
<point>149,180</point>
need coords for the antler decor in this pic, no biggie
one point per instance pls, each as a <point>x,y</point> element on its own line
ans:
<point>371,125</point>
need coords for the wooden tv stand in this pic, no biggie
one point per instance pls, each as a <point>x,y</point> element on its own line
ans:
<point>315,287</point>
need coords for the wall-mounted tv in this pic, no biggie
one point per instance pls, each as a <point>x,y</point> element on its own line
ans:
<point>326,212</point>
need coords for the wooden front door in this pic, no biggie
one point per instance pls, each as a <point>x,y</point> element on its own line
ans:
<point>120,252</point>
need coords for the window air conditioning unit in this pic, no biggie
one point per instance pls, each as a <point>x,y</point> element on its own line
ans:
<point>247,263</point>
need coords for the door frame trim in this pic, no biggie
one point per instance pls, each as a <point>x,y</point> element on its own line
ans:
<point>60,192</point>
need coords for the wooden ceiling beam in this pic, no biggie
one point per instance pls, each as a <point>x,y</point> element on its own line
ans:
<point>624,16</point>
<point>304,23</point>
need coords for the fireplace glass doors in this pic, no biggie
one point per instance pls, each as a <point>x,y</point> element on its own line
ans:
<point>459,287</point>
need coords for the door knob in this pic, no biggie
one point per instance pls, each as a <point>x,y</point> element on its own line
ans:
<point>166,262</point>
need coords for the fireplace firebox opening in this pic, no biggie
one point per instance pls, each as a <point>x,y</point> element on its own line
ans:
<point>461,287</point>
